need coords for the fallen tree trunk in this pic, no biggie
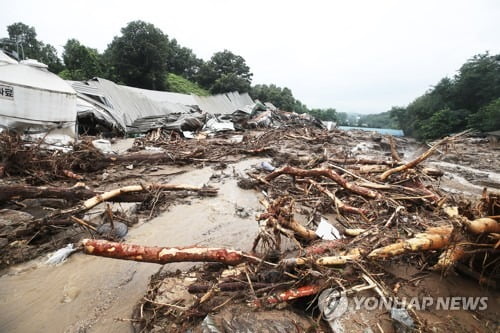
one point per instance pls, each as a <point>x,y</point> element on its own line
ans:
<point>287,295</point>
<point>21,192</point>
<point>162,255</point>
<point>483,225</point>
<point>328,173</point>
<point>432,239</point>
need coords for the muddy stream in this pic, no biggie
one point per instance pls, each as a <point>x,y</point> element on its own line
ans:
<point>93,294</point>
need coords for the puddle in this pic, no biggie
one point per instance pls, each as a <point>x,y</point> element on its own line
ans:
<point>87,294</point>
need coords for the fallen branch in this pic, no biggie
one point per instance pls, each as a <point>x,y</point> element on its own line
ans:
<point>338,203</point>
<point>420,158</point>
<point>162,255</point>
<point>318,172</point>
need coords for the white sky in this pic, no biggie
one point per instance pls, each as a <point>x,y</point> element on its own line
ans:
<point>355,56</point>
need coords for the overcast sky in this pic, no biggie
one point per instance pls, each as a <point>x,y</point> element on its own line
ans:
<point>355,56</point>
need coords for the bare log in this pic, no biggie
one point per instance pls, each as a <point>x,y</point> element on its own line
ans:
<point>394,150</point>
<point>318,172</point>
<point>287,296</point>
<point>432,239</point>
<point>374,168</point>
<point>162,255</point>
<point>353,232</point>
<point>483,225</point>
<point>420,158</point>
<point>21,192</point>
<point>450,257</point>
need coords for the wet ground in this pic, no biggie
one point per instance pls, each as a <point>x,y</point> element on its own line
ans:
<point>98,294</point>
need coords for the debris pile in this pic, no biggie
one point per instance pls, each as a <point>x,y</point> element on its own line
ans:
<point>337,209</point>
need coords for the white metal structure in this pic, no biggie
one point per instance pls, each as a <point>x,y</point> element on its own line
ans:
<point>32,98</point>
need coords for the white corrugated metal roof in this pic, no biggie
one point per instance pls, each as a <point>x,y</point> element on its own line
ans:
<point>31,77</point>
<point>223,103</point>
<point>165,96</point>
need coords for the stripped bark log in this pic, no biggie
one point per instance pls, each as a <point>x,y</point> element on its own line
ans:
<point>342,258</point>
<point>353,232</point>
<point>432,239</point>
<point>394,150</point>
<point>483,225</point>
<point>328,173</point>
<point>450,257</point>
<point>286,296</point>
<point>298,228</point>
<point>376,168</point>
<point>163,255</point>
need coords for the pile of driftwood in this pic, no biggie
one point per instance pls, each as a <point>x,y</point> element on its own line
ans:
<point>378,208</point>
<point>381,209</point>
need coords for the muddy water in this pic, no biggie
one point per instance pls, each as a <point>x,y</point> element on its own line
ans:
<point>91,294</point>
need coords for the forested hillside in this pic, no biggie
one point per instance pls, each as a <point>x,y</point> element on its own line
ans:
<point>470,99</point>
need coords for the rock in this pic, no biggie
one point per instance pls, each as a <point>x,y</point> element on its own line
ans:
<point>239,319</point>
<point>120,230</point>
<point>403,323</point>
<point>10,217</point>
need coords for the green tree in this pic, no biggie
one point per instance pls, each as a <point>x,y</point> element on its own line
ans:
<point>32,48</point>
<point>282,98</point>
<point>477,82</point>
<point>466,100</point>
<point>182,61</point>
<point>221,70</point>
<point>379,120</point>
<point>324,114</point>
<point>441,123</point>
<point>342,119</point>
<point>138,57</point>
<point>82,63</point>
<point>487,118</point>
